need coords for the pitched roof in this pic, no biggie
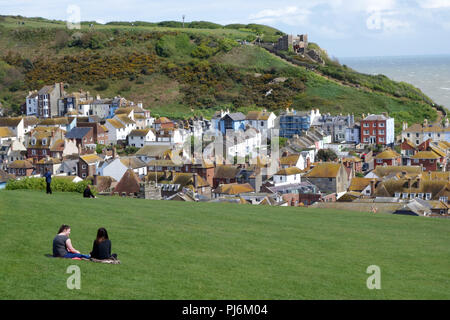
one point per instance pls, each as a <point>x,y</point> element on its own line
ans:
<point>425,155</point>
<point>324,170</point>
<point>6,132</point>
<point>289,171</point>
<point>5,176</point>
<point>237,116</point>
<point>359,184</point>
<point>128,184</point>
<point>49,161</point>
<point>372,117</point>
<point>139,132</point>
<point>226,171</point>
<point>21,164</point>
<point>234,188</point>
<point>115,123</point>
<point>91,158</point>
<point>78,132</point>
<point>125,119</point>
<point>152,151</point>
<point>54,121</point>
<point>132,162</point>
<point>163,120</point>
<point>382,171</point>
<point>387,154</point>
<point>10,122</point>
<point>290,160</point>
<point>258,115</point>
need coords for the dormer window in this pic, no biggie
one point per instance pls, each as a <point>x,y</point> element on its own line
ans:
<point>33,141</point>
<point>428,196</point>
<point>44,142</point>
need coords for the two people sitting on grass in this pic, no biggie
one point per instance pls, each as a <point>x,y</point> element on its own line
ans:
<point>62,246</point>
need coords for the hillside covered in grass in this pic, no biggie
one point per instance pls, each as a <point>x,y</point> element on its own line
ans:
<point>174,250</point>
<point>195,70</point>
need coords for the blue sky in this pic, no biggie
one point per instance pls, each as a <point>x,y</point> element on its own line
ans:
<point>345,28</point>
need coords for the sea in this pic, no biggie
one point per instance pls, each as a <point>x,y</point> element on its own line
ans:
<point>429,73</point>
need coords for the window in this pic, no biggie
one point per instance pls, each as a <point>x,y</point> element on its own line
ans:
<point>405,195</point>
<point>83,166</point>
<point>417,141</point>
<point>382,124</point>
<point>428,196</point>
<point>431,160</point>
<point>412,195</point>
<point>366,131</point>
<point>407,135</point>
<point>443,199</point>
<point>33,152</point>
<point>397,195</point>
<point>44,152</point>
<point>416,160</point>
<point>84,175</point>
<point>379,160</point>
<point>420,195</point>
<point>381,139</point>
<point>366,125</point>
<point>366,140</point>
<point>380,131</point>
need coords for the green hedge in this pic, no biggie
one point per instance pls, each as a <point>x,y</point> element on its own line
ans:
<point>58,184</point>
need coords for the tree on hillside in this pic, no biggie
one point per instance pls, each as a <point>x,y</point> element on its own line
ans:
<point>326,155</point>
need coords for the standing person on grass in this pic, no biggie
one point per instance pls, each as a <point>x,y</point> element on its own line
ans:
<point>62,246</point>
<point>48,180</point>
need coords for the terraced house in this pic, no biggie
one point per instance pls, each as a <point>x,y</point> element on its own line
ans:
<point>48,141</point>
<point>419,133</point>
<point>331,178</point>
<point>48,98</point>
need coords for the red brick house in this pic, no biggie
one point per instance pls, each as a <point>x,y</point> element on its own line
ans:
<point>225,174</point>
<point>43,142</point>
<point>387,158</point>
<point>83,137</point>
<point>100,133</point>
<point>204,169</point>
<point>21,168</point>
<point>429,160</point>
<point>377,129</point>
<point>87,166</point>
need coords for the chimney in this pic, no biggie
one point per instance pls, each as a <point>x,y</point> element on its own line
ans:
<point>409,182</point>
<point>94,182</point>
<point>195,180</point>
<point>372,187</point>
<point>363,116</point>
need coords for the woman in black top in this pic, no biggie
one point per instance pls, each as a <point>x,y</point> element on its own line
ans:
<point>102,246</point>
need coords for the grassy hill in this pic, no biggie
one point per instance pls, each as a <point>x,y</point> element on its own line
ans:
<point>196,70</point>
<point>173,250</point>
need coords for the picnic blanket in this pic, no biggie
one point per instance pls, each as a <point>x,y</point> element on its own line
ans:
<point>110,261</point>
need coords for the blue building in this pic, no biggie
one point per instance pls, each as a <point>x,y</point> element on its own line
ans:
<point>293,122</point>
<point>232,121</point>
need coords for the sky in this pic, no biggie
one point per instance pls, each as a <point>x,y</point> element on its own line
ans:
<point>345,28</point>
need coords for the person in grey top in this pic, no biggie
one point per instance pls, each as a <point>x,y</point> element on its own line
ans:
<point>62,246</point>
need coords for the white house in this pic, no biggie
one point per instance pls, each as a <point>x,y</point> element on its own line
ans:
<point>32,103</point>
<point>141,137</point>
<point>241,144</point>
<point>290,175</point>
<point>261,120</point>
<point>16,125</point>
<point>117,167</point>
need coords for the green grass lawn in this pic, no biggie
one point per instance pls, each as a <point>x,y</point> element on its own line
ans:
<point>174,250</point>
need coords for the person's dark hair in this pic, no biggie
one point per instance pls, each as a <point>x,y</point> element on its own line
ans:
<point>63,227</point>
<point>102,235</point>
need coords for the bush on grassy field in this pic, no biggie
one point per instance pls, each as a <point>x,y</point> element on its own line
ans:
<point>60,184</point>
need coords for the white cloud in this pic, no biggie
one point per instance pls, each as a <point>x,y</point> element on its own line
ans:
<point>288,15</point>
<point>434,4</point>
